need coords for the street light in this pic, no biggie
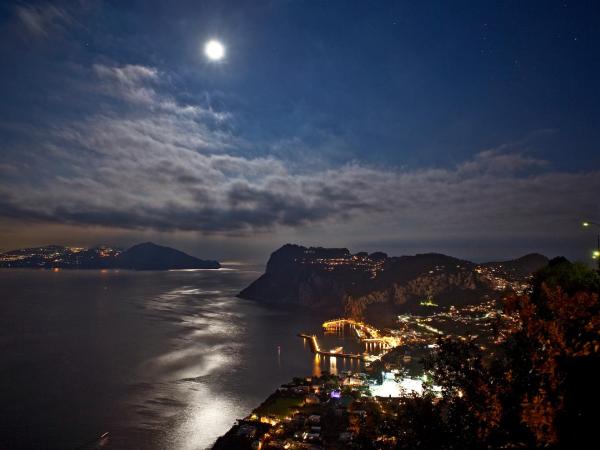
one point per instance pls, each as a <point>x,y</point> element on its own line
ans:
<point>596,253</point>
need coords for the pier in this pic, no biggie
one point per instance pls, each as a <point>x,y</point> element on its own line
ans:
<point>314,345</point>
<point>364,332</point>
<point>368,334</point>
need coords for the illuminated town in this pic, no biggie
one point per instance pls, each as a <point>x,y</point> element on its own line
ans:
<point>366,363</point>
<point>362,262</point>
<point>339,409</point>
<point>55,256</point>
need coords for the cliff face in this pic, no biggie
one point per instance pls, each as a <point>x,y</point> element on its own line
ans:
<point>444,289</point>
<point>357,285</point>
<point>294,276</point>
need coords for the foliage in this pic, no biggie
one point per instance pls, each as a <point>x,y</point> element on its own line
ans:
<point>558,343</point>
<point>570,277</point>
<point>538,389</point>
<point>421,424</point>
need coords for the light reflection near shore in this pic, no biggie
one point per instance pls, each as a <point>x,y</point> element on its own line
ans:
<point>333,365</point>
<point>205,418</point>
<point>316,365</point>
<point>198,413</point>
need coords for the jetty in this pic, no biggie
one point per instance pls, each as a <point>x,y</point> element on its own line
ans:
<point>314,345</point>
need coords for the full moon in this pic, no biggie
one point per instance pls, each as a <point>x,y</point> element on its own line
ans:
<point>214,50</point>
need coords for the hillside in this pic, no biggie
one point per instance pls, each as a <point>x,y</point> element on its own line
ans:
<point>374,285</point>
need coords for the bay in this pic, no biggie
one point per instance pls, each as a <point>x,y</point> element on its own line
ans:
<point>157,359</point>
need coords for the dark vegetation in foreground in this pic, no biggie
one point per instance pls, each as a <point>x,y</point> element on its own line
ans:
<point>538,389</point>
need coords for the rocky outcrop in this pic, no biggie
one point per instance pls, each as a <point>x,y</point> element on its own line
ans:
<point>149,256</point>
<point>355,284</point>
<point>450,288</point>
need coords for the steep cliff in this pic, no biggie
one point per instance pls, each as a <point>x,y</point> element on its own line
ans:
<point>361,285</point>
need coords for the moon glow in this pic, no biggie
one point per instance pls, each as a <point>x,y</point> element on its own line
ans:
<point>214,50</point>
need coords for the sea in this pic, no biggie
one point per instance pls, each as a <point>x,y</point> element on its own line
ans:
<point>150,360</point>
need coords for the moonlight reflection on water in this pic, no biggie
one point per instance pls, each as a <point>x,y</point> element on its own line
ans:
<point>194,360</point>
<point>158,359</point>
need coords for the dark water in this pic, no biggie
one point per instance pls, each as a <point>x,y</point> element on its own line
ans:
<point>158,359</point>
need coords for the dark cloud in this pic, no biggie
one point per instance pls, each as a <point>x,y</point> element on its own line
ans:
<point>169,166</point>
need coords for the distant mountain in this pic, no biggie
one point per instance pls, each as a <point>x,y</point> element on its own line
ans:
<point>149,256</point>
<point>523,266</point>
<point>365,285</point>
<point>146,256</point>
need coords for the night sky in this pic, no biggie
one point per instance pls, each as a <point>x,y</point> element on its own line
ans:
<point>469,128</point>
